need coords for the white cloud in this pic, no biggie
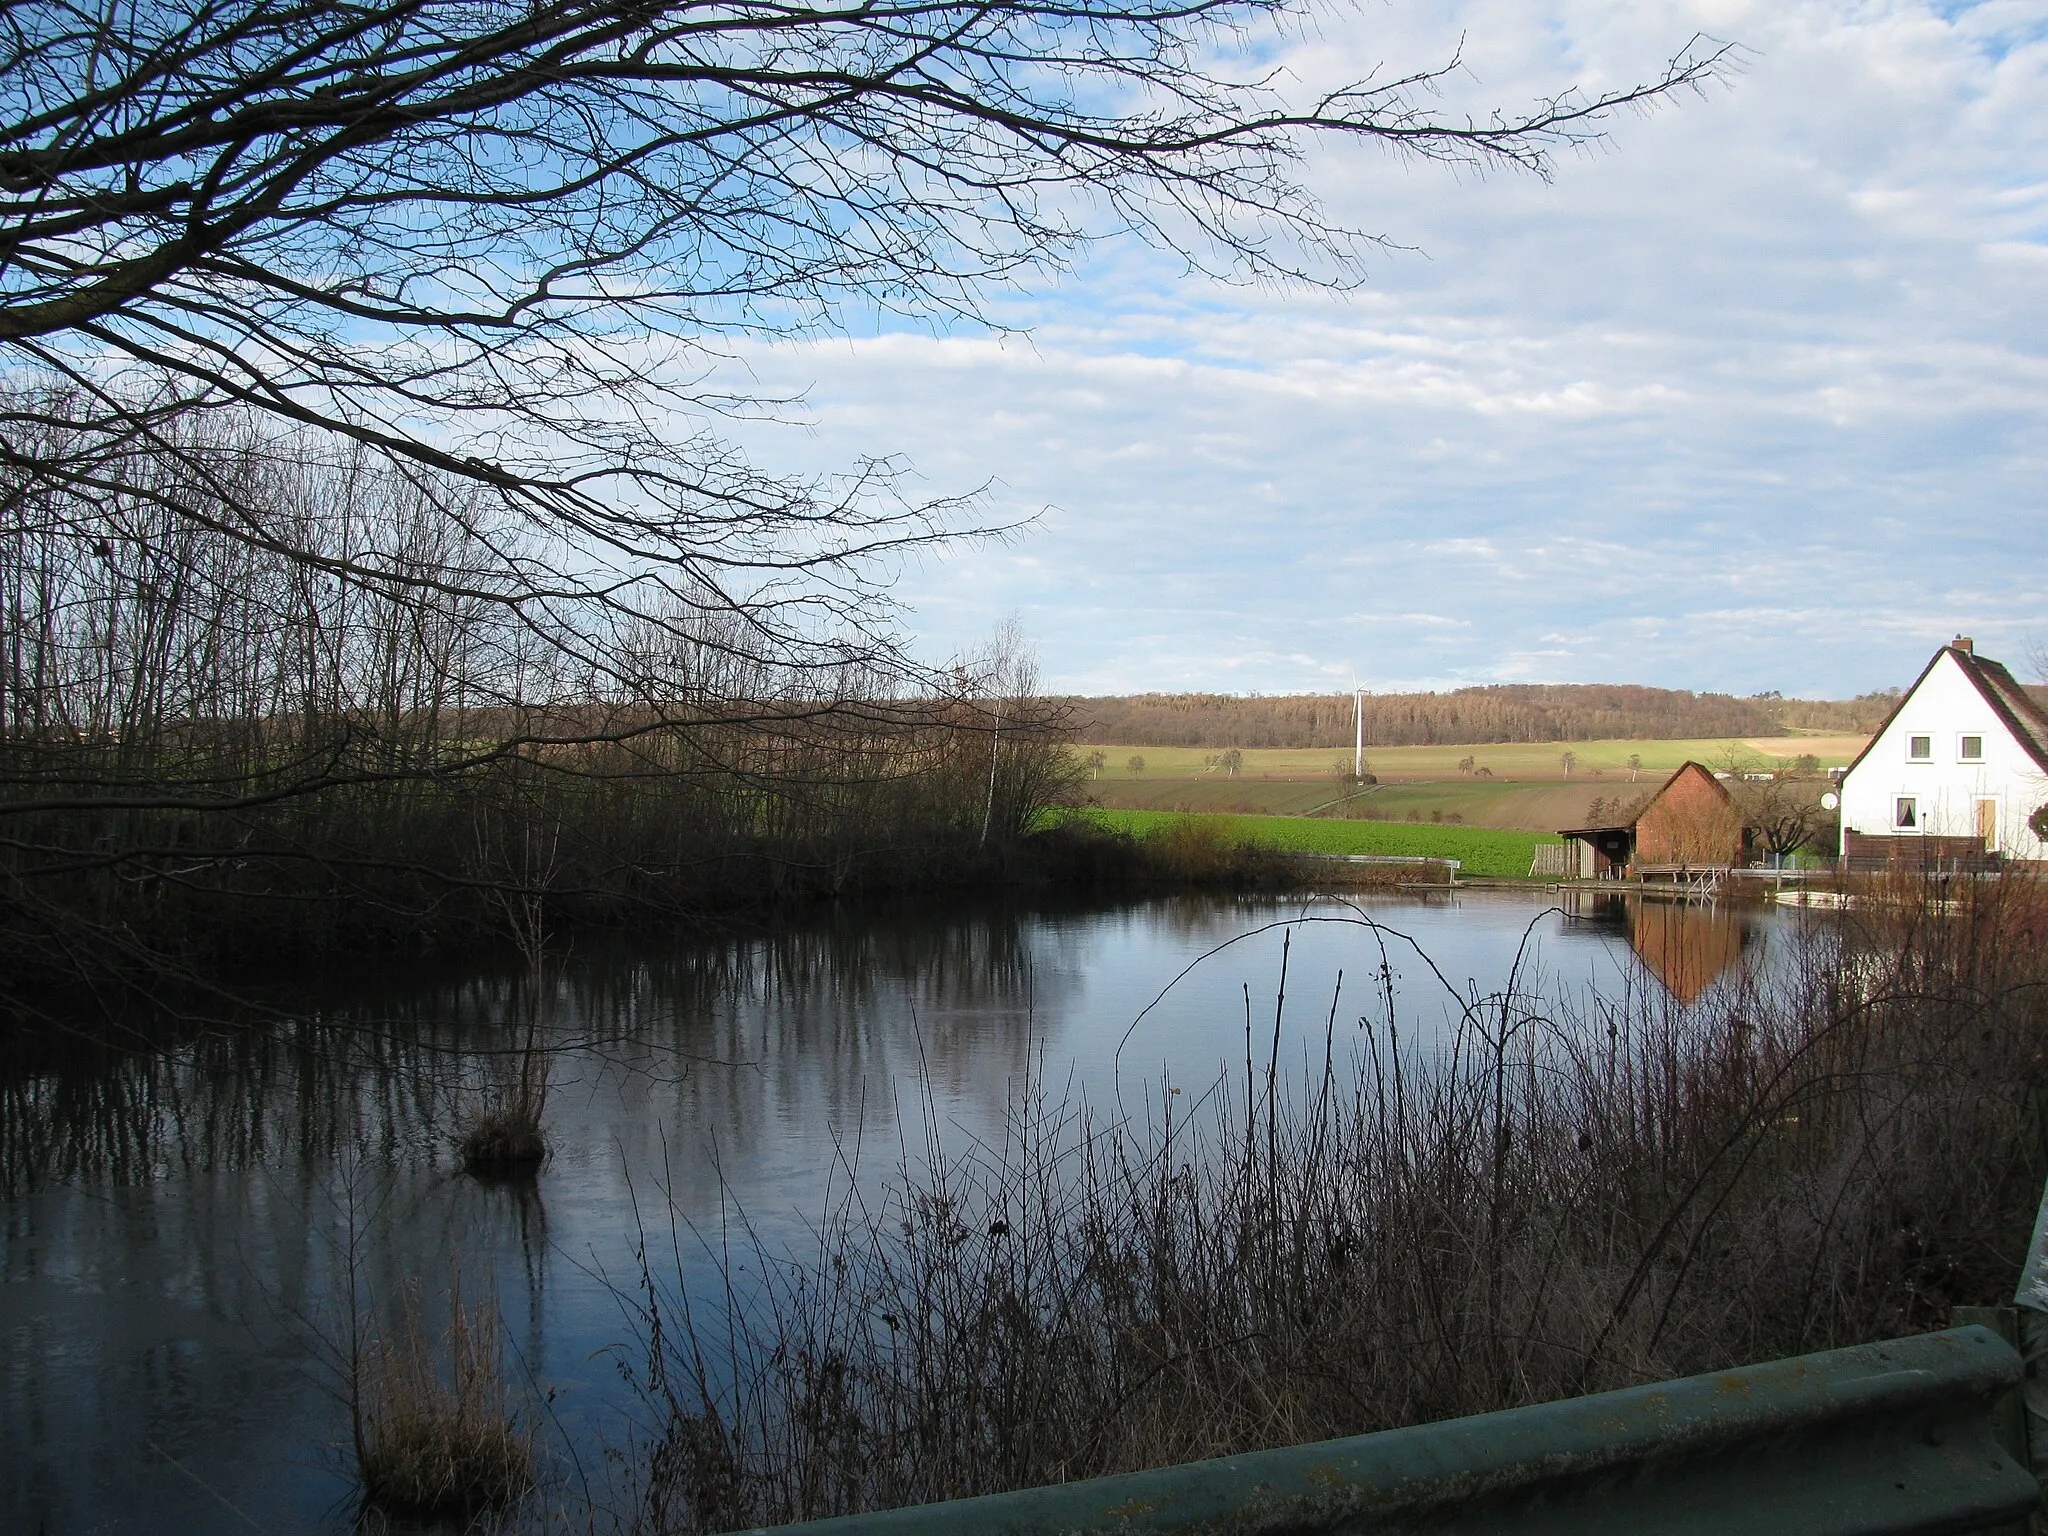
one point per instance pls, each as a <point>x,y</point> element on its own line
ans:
<point>1755,396</point>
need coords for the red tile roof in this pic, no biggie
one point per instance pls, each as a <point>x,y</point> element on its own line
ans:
<point>2015,707</point>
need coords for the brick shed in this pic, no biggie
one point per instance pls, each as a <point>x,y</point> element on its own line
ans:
<point>1690,823</point>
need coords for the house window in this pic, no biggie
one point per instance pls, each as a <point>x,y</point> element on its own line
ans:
<point>1906,814</point>
<point>1920,749</point>
<point>1972,750</point>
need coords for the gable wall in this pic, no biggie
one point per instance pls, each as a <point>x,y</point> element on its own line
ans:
<point>1946,706</point>
<point>1690,822</point>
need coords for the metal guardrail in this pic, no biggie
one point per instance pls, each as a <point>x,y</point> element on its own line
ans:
<point>1891,1438</point>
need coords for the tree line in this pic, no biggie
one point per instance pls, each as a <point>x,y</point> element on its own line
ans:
<point>1513,712</point>
<point>379,734</point>
<point>374,552</point>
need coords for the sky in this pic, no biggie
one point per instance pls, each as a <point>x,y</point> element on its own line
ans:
<point>1752,396</point>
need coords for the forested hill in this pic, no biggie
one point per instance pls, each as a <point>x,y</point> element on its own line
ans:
<point>1505,712</point>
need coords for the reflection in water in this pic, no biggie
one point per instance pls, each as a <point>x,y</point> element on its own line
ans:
<point>1687,945</point>
<point>180,1224</point>
<point>384,1065</point>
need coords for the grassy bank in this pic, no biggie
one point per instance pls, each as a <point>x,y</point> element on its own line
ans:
<point>1480,850</point>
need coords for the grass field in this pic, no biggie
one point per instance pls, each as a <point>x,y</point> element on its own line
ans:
<point>1507,803</point>
<point>1603,761</point>
<point>1479,850</point>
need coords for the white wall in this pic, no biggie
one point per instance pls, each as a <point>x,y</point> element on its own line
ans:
<point>1947,706</point>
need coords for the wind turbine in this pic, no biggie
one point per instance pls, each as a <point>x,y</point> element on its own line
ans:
<point>1357,728</point>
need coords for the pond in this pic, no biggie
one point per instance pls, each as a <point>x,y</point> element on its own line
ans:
<point>189,1229</point>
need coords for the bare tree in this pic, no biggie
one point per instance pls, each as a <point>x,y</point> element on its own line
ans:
<point>1785,812</point>
<point>500,244</point>
<point>359,422</point>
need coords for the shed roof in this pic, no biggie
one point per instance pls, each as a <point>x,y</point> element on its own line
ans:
<point>1644,809</point>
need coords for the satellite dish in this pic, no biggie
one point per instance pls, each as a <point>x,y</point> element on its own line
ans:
<point>1830,801</point>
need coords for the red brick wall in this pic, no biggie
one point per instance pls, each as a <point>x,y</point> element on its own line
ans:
<point>1691,822</point>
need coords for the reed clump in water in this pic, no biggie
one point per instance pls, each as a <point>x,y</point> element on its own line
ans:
<point>435,1447</point>
<point>505,1141</point>
<point>1544,1202</point>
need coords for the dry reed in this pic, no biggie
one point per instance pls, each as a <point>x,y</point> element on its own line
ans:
<point>1547,1202</point>
<point>434,1447</point>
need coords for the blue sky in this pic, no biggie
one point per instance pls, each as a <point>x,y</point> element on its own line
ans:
<point>1753,396</point>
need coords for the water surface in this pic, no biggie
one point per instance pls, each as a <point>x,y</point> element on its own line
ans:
<point>189,1229</point>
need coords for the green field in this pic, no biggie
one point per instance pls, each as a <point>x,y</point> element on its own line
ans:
<point>1517,804</point>
<point>1479,850</point>
<point>1602,761</point>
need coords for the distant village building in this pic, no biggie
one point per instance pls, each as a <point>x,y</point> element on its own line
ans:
<point>1953,774</point>
<point>1690,824</point>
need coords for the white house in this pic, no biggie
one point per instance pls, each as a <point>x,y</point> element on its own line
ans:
<point>1955,771</point>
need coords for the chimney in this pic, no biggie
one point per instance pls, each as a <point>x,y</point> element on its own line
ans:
<point>1966,645</point>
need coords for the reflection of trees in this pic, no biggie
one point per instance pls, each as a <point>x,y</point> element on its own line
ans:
<point>736,1032</point>
<point>224,1099</point>
<point>238,1175</point>
<point>718,1049</point>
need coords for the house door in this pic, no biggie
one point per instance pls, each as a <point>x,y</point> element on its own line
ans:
<point>1987,824</point>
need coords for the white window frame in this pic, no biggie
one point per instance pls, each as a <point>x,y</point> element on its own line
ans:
<point>1963,754</point>
<point>1910,805</point>
<point>1919,757</point>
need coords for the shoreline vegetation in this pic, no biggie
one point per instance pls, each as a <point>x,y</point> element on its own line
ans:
<point>1479,850</point>
<point>1556,1201</point>
<point>369,735</point>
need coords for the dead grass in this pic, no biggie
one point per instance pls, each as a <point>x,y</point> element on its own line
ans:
<point>1551,1203</point>
<point>432,1445</point>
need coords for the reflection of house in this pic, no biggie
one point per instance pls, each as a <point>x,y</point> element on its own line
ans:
<point>1691,823</point>
<point>1953,773</point>
<point>1686,945</point>
<point>1683,944</point>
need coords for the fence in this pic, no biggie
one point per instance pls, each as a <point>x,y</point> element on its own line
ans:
<point>1895,1438</point>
